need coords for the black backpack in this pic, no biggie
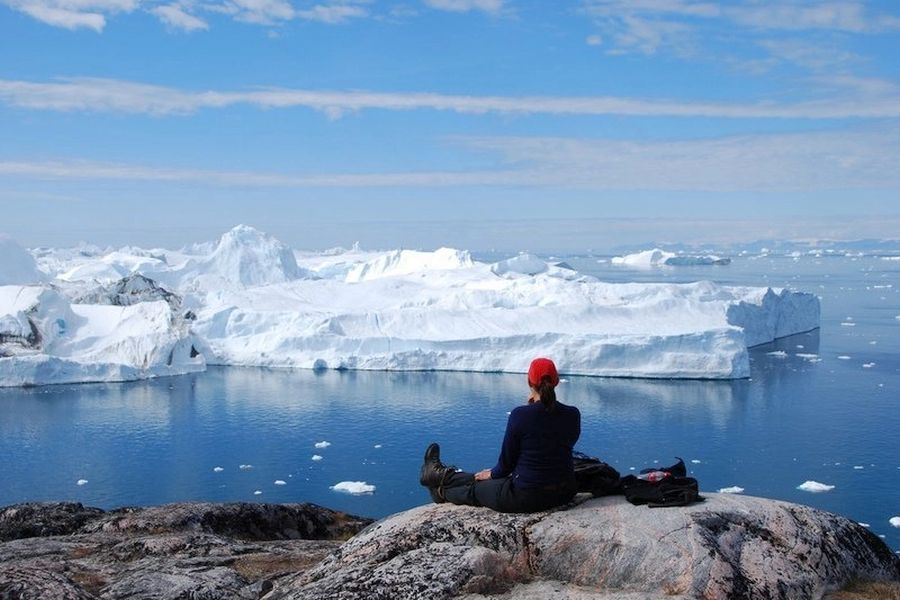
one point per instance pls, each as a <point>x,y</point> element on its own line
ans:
<point>674,489</point>
<point>595,476</point>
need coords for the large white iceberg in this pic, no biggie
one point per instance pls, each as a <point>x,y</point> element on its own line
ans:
<point>46,339</point>
<point>249,300</point>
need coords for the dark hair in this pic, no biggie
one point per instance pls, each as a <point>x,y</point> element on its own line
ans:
<point>547,392</point>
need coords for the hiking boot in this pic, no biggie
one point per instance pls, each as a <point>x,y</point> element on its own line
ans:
<point>433,470</point>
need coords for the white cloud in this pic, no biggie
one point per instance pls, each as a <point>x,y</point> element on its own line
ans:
<point>260,12</point>
<point>842,159</point>
<point>93,14</point>
<point>332,13</point>
<point>854,159</point>
<point>594,40</point>
<point>682,26</point>
<point>174,16</point>
<point>72,14</point>
<point>815,57</point>
<point>111,95</point>
<point>488,6</point>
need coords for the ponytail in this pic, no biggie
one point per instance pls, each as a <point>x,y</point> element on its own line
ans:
<point>547,393</point>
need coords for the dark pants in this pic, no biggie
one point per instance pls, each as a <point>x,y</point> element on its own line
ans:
<point>501,495</point>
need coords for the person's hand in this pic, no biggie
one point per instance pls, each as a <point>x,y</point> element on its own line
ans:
<point>482,475</point>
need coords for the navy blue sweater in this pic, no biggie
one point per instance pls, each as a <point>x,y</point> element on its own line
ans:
<point>537,446</point>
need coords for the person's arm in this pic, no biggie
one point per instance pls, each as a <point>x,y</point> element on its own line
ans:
<point>509,452</point>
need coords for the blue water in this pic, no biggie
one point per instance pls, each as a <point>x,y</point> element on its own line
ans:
<point>159,441</point>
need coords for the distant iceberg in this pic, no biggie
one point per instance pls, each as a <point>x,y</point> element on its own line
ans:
<point>250,300</point>
<point>658,258</point>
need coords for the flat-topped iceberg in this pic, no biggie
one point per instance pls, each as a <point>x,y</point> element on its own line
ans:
<point>249,301</point>
<point>658,258</point>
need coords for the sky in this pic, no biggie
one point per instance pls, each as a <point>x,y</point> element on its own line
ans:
<point>485,124</point>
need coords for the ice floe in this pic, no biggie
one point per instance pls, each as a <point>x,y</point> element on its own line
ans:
<point>322,444</point>
<point>245,467</point>
<point>316,457</point>
<point>280,482</point>
<point>777,354</point>
<point>249,300</point>
<point>895,521</point>
<point>731,490</point>
<point>81,482</point>
<point>353,487</point>
<point>218,469</point>
<point>815,487</point>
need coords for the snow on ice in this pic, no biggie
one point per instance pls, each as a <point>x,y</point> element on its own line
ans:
<point>249,300</point>
<point>353,487</point>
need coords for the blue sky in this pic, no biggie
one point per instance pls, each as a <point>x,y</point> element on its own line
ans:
<point>484,123</point>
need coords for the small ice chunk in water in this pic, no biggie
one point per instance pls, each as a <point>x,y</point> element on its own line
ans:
<point>843,357</point>
<point>858,467</point>
<point>800,346</point>
<point>377,446</point>
<point>218,469</point>
<point>695,461</point>
<point>731,490</point>
<point>864,524</point>
<point>316,457</point>
<point>245,467</point>
<point>815,487</point>
<point>868,365</point>
<point>280,482</point>
<point>777,354</point>
<point>81,482</point>
<point>257,492</point>
<point>353,487</point>
<point>322,444</point>
<point>848,324</point>
<point>895,521</point>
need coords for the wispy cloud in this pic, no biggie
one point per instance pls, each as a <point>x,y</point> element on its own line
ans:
<point>842,159</point>
<point>93,14</point>
<point>488,6</point>
<point>687,28</point>
<point>111,95</point>
<point>73,14</point>
<point>797,162</point>
<point>175,17</point>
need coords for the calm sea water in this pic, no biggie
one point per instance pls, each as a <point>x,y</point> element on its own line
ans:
<point>834,421</point>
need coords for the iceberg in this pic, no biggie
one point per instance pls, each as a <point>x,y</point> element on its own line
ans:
<point>46,339</point>
<point>815,487</point>
<point>17,265</point>
<point>249,300</point>
<point>355,488</point>
<point>657,258</point>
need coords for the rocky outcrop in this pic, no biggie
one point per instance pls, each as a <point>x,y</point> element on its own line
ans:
<point>727,547</point>
<point>191,550</point>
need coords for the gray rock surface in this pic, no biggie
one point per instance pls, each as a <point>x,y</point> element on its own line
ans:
<point>190,550</point>
<point>728,547</point>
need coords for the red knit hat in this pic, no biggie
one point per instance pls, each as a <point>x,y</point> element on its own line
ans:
<point>539,368</point>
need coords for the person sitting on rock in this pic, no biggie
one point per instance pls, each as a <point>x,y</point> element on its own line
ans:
<point>534,472</point>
